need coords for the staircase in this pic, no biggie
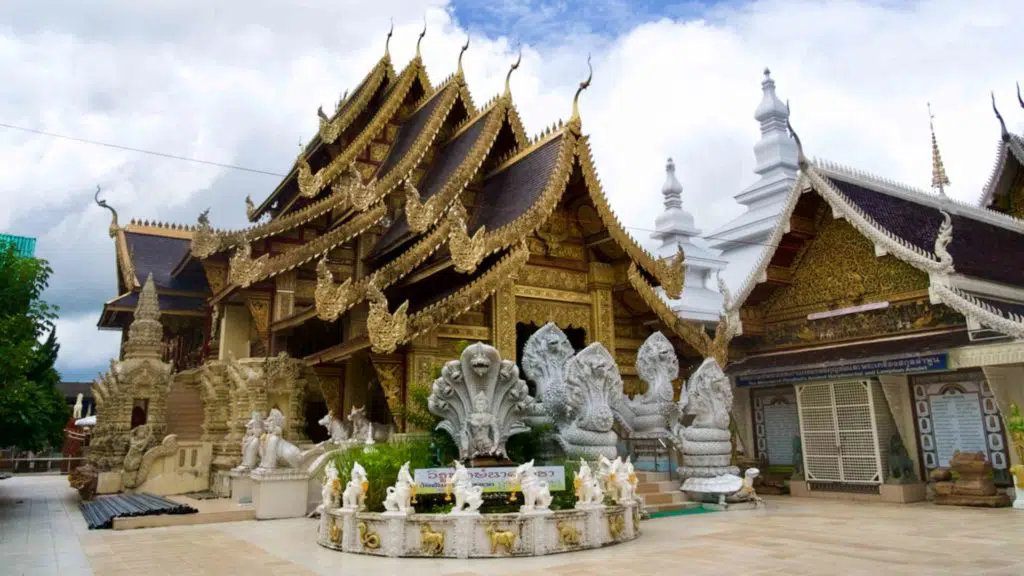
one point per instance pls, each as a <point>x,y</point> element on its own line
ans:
<point>660,493</point>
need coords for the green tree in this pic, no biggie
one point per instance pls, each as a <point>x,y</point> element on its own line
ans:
<point>32,409</point>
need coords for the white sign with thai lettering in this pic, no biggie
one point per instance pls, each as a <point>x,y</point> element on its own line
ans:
<point>431,480</point>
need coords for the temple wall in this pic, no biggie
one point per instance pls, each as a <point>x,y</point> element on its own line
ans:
<point>1007,384</point>
<point>234,332</point>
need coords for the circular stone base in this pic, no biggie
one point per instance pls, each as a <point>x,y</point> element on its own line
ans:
<point>477,535</point>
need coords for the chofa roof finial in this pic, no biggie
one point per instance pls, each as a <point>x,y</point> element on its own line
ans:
<point>583,86</point>
<point>508,77</point>
<point>422,34</point>
<point>461,52</point>
<point>800,158</point>
<point>113,213</point>
<point>1019,99</point>
<point>939,178</point>
<point>387,41</point>
<point>1002,125</point>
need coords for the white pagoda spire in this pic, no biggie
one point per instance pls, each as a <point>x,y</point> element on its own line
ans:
<point>674,227</point>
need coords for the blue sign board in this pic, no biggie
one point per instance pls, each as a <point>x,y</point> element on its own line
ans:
<point>927,363</point>
<point>22,246</point>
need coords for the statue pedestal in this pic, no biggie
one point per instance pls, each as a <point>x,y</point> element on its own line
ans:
<point>279,493</point>
<point>108,483</point>
<point>1018,499</point>
<point>241,486</point>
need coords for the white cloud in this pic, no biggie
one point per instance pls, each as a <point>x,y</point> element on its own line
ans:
<point>241,85</point>
<point>83,347</point>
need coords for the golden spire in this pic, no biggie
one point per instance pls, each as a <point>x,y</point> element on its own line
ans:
<point>939,178</point>
<point>508,77</point>
<point>576,98</point>
<point>461,52</point>
<point>422,34</point>
<point>387,42</point>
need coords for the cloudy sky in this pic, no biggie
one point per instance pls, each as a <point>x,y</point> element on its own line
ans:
<point>239,83</point>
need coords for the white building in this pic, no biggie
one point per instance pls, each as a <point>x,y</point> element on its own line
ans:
<point>742,241</point>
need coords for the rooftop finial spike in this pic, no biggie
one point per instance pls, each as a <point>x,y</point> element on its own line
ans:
<point>508,77</point>
<point>387,42</point>
<point>1002,125</point>
<point>422,34</point>
<point>461,52</point>
<point>800,158</point>
<point>583,86</point>
<point>939,178</point>
<point>112,230</point>
<point>1019,99</point>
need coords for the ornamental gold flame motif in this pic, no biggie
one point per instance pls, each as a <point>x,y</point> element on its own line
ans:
<point>419,214</point>
<point>243,269</point>
<point>386,330</point>
<point>250,208</point>
<point>670,274</point>
<point>331,299</point>
<point>467,252</point>
<point>329,131</point>
<point>309,184</point>
<point>205,241</point>
<point>361,195</point>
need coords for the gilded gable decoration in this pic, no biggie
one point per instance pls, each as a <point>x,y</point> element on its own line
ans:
<point>250,208</point>
<point>418,214</point>
<point>244,270</point>
<point>386,330</point>
<point>466,252</point>
<point>331,300</point>
<point>330,128</point>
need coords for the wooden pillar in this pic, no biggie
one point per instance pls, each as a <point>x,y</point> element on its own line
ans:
<point>602,316</point>
<point>503,321</point>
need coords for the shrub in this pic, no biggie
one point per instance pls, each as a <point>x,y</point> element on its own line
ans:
<point>382,462</point>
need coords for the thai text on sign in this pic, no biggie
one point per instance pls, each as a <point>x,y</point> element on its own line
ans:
<point>432,480</point>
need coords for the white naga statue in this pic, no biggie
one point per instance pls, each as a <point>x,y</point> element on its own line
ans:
<point>587,487</point>
<point>354,496</point>
<point>331,490</point>
<point>251,442</point>
<point>468,498</point>
<point>275,451</point>
<point>536,494</point>
<point>706,442</point>
<point>654,411</point>
<point>544,357</point>
<point>400,496</point>
<point>482,400</point>
<point>593,386</point>
<point>335,427</point>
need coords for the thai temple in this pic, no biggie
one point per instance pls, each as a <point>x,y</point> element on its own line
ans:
<point>875,318</point>
<point>846,333</point>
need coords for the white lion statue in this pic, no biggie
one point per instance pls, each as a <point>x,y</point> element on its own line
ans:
<point>587,487</point>
<point>354,496</point>
<point>275,450</point>
<point>399,497</point>
<point>467,496</point>
<point>536,494</point>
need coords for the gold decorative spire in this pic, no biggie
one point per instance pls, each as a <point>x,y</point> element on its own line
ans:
<point>1002,125</point>
<point>801,160</point>
<point>112,230</point>
<point>575,118</point>
<point>387,41</point>
<point>145,335</point>
<point>939,178</point>
<point>461,52</point>
<point>508,77</point>
<point>422,34</point>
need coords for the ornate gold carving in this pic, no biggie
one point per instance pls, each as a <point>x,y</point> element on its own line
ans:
<point>671,272</point>
<point>331,128</point>
<point>466,252</point>
<point>113,228</point>
<point>259,310</point>
<point>540,312</point>
<point>838,268</point>
<point>667,275</point>
<point>205,240</point>
<point>504,539</point>
<point>442,312</point>
<point>216,275</point>
<point>616,525</point>
<point>602,275</point>
<point>250,208</point>
<point>245,271</point>
<point>335,531</point>
<point>418,214</point>
<point>503,320</point>
<point>431,542</point>
<point>370,540</point>
<point>545,277</point>
<point>568,535</point>
<point>1015,196</point>
<point>554,232</point>
<point>389,374</point>
<point>464,332</point>
<point>331,300</point>
<point>691,333</point>
<point>386,330</point>
<point>552,294</point>
<point>603,318</point>
<point>310,185</point>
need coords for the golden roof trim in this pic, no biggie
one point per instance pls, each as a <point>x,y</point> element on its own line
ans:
<point>386,330</point>
<point>450,307</point>
<point>250,271</point>
<point>163,229</point>
<point>331,128</point>
<point>669,273</point>
<point>311,184</point>
<point>332,300</point>
<point>691,333</point>
<point>124,260</point>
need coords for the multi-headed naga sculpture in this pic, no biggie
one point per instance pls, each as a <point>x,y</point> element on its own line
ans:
<point>482,400</point>
<point>654,412</point>
<point>706,442</point>
<point>593,386</point>
<point>544,357</point>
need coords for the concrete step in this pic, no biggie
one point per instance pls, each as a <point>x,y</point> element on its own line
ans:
<point>672,507</point>
<point>663,486</point>
<point>652,476</point>
<point>662,498</point>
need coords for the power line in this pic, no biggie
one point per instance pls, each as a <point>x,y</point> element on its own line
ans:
<point>141,150</point>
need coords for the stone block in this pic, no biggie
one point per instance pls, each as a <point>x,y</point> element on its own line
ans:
<point>903,493</point>
<point>108,483</point>
<point>241,487</point>
<point>279,493</point>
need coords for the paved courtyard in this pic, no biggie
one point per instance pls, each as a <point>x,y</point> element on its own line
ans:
<point>42,532</point>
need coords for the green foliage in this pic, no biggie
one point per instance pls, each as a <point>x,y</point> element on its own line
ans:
<point>528,445</point>
<point>382,462</point>
<point>32,410</point>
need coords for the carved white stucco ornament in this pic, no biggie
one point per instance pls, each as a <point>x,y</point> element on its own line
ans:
<point>593,386</point>
<point>275,451</point>
<point>536,494</point>
<point>354,496</point>
<point>544,356</point>
<point>399,497</point>
<point>482,400</point>
<point>468,498</point>
<point>331,490</point>
<point>654,411</point>
<point>587,487</point>
<point>727,488</point>
<point>706,442</point>
<point>251,442</point>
